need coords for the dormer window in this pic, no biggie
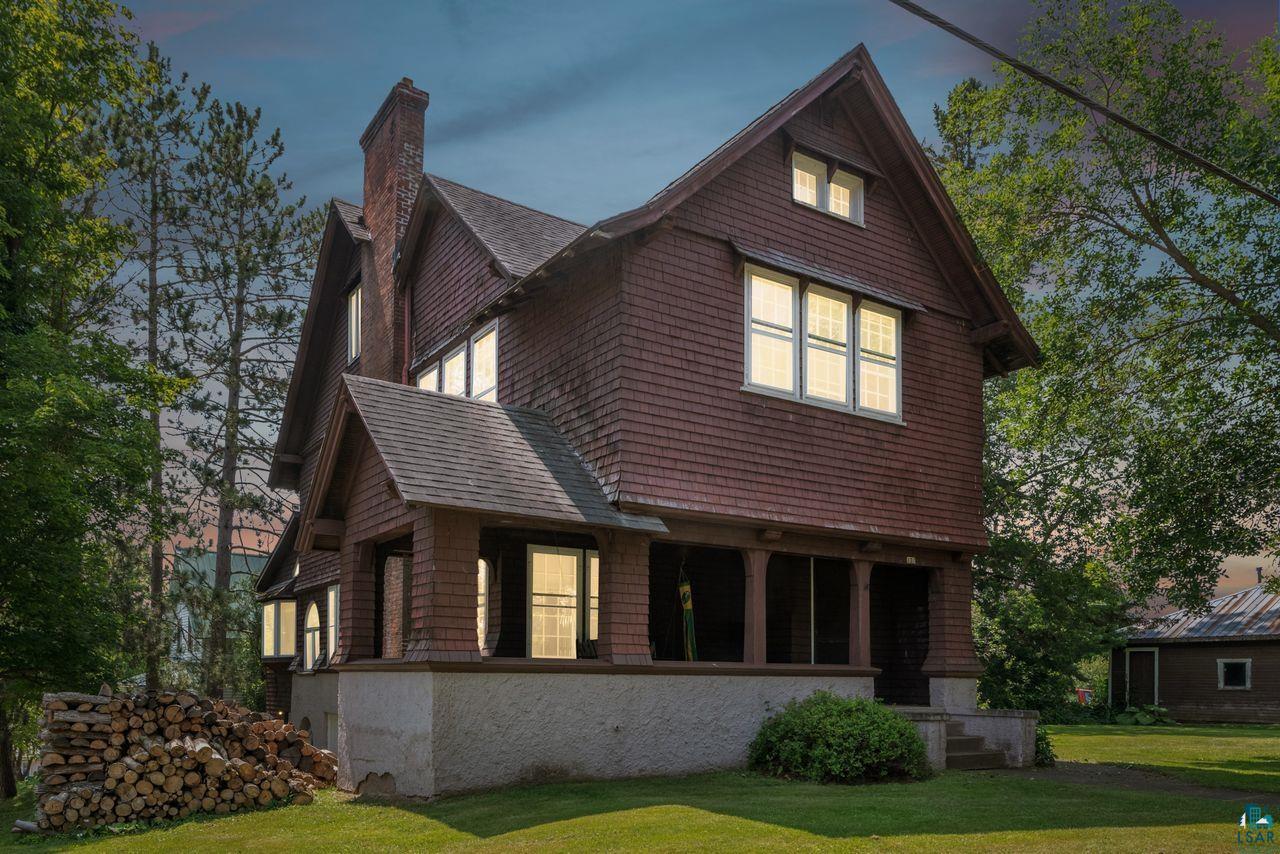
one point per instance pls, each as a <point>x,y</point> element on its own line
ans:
<point>353,324</point>
<point>823,185</point>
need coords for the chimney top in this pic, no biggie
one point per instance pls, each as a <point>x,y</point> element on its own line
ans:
<point>404,94</point>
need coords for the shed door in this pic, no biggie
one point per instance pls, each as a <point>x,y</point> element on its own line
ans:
<point>1142,678</point>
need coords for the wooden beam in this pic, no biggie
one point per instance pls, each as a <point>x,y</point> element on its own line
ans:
<point>989,332</point>
<point>322,527</point>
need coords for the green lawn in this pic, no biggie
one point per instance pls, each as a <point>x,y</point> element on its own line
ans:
<point>956,811</point>
<point>1227,756</point>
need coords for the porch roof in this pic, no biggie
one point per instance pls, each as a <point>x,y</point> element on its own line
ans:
<point>447,451</point>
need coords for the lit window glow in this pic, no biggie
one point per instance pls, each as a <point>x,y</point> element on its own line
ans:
<point>331,622</point>
<point>279,627</point>
<point>430,378</point>
<point>807,175</point>
<point>311,638</point>
<point>353,324</point>
<point>878,358</point>
<point>455,372</point>
<point>484,365</point>
<point>772,332</point>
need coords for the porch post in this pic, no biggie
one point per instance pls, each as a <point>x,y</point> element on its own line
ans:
<point>624,598</point>
<point>756,564</point>
<point>951,665</point>
<point>860,613</point>
<point>444,594</point>
<point>356,603</point>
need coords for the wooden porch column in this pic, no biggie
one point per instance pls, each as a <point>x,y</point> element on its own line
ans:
<point>444,593</point>
<point>860,613</point>
<point>951,651</point>
<point>356,603</point>
<point>624,598</point>
<point>756,564</point>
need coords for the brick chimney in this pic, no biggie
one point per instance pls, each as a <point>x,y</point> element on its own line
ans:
<point>392,145</point>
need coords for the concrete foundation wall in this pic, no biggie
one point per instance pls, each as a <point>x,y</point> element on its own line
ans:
<point>482,730</point>
<point>313,696</point>
<point>1010,730</point>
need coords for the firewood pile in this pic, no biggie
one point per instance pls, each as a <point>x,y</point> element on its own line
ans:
<point>111,757</point>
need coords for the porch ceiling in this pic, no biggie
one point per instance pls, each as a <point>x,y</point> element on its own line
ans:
<point>448,451</point>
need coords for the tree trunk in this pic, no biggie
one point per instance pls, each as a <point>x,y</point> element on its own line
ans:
<point>156,588</point>
<point>8,770</point>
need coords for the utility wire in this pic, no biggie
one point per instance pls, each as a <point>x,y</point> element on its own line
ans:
<point>1081,98</point>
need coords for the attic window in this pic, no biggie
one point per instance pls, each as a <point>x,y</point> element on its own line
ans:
<point>353,324</point>
<point>820,185</point>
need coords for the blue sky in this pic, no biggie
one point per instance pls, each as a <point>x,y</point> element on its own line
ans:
<point>582,109</point>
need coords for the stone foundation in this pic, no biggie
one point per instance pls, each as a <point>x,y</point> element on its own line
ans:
<point>314,695</point>
<point>427,733</point>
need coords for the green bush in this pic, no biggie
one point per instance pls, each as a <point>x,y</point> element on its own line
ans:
<point>1144,716</point>
<point>1045,757</point>
<point>831,739</point>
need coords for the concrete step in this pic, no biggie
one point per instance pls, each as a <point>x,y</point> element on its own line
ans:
<point>964,743</point>
<point>955,728</point>
<point>975,760</point>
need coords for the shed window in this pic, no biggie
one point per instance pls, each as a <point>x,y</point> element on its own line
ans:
<point>455,372</point>
<point>1235,673</point>
<point>331,622</point>
<point>816,183</point>
<point>564,601</point>
<point>353,324</point>
<point>279,628</point>
<point>823,363</point>
<point>311,638</point>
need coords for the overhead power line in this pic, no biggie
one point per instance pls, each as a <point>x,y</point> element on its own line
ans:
<point>1081,98</point>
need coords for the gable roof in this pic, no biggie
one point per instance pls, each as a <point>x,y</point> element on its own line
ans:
<point>281,558</point>
<point>352,217</point>
<point>519,238</point>
<point>1248,613</point>
<point>454,452</point>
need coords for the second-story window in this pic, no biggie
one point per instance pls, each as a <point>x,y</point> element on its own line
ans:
<point>849,356</point>
<point>840,194</point>
<point>455,372</point>
<point>353,324</point>
<point>430,378</point>
<point>484,364</point>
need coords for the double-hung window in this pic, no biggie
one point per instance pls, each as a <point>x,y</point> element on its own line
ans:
<point>836,191</point>
<point>353,324</point>
<point>455,372</point>
<point>484,364</point>
<point>331,621</point>
<point>279,629</point>
<point>564,600</point>
<point>430,378</point>
<point>848,356</point>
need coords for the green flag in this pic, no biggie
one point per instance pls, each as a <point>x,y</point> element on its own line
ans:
<point>686,605</point>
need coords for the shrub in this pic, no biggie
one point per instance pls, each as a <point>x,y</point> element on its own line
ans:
<point>1144,716</point>
<point>1045,757</point>
<point>831,739</point>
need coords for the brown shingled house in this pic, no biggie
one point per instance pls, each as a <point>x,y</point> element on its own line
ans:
<point>512,434</point>
<point>1220,664</point>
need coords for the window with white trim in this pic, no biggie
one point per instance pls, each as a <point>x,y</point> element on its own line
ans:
<point>311,638</point>
<point>353,324</point>
<point>484,364</point>
<point>279,628</point>
<point>455,372</point>
<point>331,621</point>
<point>835,191</point>
<point>482,601</point>
<point>848,358</point>
<point>1235,674</point>
<point>430,378</point>
<point>564,600</point>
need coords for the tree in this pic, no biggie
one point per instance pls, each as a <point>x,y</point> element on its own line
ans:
<point>1146,448</point>
<point>241,311</point>
<point>148,134</point>
<point>76,444</point>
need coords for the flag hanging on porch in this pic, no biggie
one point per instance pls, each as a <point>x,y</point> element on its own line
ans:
<point>686,606</point>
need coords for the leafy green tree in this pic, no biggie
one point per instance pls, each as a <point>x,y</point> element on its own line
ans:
<point>76,443</point>
<point>1146,448</point>
<point>243,273</point>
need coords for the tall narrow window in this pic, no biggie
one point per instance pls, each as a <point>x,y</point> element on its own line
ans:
<point>807,175</point>
<point>482,601</point>
<point>772,331</point>
<point>826,370</point>
<point>553,601</point>
<point>878,363</point>
<point>353,324</point>
<point>484,364</point>
<point>332,621</point>
<point>311,638</point>
<point>269,639</point>
<point>430,378</point>
<point>593,595</point>
<point>455,372</point>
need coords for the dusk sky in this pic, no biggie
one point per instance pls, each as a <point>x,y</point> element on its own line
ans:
<point>582,109</point>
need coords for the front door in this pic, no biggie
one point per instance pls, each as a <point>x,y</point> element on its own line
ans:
<point>1142,677</point>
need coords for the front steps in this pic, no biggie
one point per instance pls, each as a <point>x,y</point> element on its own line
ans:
<point>970,752</point>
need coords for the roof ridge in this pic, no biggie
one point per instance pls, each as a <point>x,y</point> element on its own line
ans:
<point>434,177</point>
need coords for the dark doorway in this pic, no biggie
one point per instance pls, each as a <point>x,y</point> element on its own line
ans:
<point>391,564</point>
<point>807,610</point>
<point>1142,677</point>
<point>717,582</point>
<point>900,633</point>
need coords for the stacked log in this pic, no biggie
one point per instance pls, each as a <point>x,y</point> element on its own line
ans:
<point>110,757</point>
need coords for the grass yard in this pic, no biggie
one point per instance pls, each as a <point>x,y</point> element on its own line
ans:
<point>958,811</point>
<point>1227,756</point>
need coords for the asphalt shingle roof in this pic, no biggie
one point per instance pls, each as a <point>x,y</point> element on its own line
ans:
<point>521,238</point>
<point>448,451</point>
<point>1248,613</point>
<point>353,216</point>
